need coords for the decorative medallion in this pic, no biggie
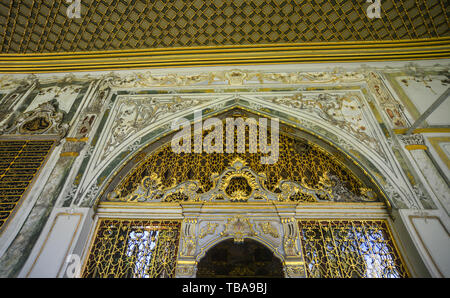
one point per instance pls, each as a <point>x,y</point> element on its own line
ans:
<point>45,119</point>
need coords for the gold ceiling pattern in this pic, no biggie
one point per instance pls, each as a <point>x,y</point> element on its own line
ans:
<point>38,26</point>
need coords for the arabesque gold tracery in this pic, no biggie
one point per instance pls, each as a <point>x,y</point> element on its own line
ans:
<point>20,162</point>
<point>304,172</point>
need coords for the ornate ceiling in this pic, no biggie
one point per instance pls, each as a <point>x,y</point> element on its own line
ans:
<point>37,26</point>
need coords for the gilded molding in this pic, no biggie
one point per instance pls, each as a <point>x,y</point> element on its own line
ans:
<point>45,119</point>
<point>436,48</point>
<point>416,147</point>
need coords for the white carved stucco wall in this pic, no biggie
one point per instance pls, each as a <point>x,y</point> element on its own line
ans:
<point>363,109</point>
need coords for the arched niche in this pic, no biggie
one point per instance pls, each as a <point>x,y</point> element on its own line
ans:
<point>246,258</point>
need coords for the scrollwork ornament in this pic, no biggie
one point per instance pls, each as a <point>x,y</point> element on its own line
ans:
<point>208,229</point>
<point>71,193</point>
<point>184,270</point>
<point>188,247</point>
<point>45,119</point>
<point>269,229</point>
<point>340,110</point>
<point>395,196</point>
<point>239,183</point>
<point>422,196</point>
<point>92,192</point>
<point>135,113</point>
<point>233,77</point>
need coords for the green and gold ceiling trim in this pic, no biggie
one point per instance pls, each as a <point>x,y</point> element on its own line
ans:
<point>226,56</point>
<point>39,36</point>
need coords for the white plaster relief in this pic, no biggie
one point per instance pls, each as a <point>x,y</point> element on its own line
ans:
<point>346,141</point>
<point>228,77</point>
<point>232,77</point>
<point>342,110</point>
<point>64,95</point>
<point>423,92</point>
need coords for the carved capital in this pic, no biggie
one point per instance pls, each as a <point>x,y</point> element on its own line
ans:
<point>295,271</point>
<point>290,244</point>
<point>414,139</point>
<point>185,270</point>
<point>189,241</point>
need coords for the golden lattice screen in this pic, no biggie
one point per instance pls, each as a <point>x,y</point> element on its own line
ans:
<point>20,162</point>
<point>299,161</point>
<point>124,248</point>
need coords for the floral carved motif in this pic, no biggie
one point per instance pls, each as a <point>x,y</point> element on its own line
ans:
<point>230,77</point>
<point>239,228</point>
<point>269,229</point>
<point>208,229</point>
<point>239,183</point>
<point>415,139</point>
<point>342,111</point>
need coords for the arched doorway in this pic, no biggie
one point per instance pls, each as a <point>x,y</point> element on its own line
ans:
<point>239,259</point>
